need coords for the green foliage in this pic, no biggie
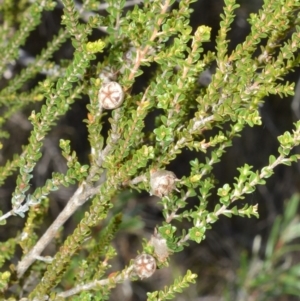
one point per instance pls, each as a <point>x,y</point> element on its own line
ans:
<point>169,292</point>
<point>274,274</point>
<point>124,152</point>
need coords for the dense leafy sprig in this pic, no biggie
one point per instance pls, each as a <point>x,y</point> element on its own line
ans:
<point>166,114</point>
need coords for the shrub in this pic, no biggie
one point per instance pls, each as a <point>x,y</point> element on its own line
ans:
<point>147,103</point>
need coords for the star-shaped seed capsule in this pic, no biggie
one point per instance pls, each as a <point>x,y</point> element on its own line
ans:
<point>144,265</point>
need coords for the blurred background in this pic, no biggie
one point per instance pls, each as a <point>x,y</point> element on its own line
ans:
<point>241,258</point>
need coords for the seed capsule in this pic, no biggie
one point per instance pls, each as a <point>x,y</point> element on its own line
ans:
<point>111,96</point>
<point>159,244</point>
<point>144,265</point>
<point>162,182</point>
<point>107,75</point>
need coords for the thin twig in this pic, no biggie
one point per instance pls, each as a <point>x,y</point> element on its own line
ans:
<point>81,195</point>
<point>125,274</point>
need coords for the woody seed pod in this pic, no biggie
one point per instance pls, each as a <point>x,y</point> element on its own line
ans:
<point>162,182</point>
<point>107,75</point>
<point>159,244</point>
<point>111,96</point>
<point>144,265</point>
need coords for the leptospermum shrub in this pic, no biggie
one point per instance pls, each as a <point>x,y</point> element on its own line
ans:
<point>130,153</point>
